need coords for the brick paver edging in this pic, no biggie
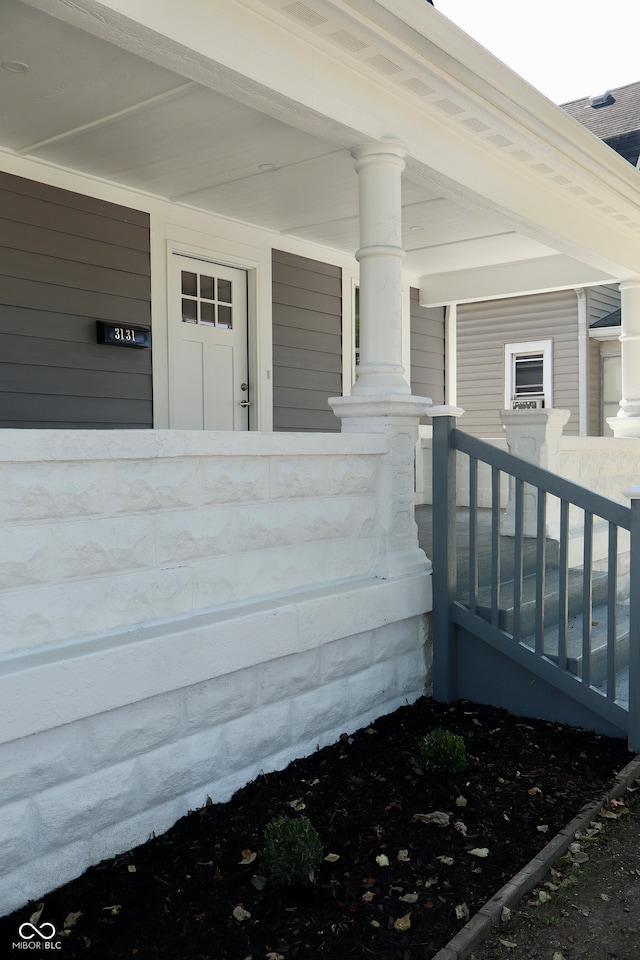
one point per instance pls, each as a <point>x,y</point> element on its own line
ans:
<point>483,922</point>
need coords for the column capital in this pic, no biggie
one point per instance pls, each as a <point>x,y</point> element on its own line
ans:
<point>387,149</point>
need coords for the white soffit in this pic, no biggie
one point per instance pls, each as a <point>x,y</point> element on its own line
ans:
<point>206,115</point>
<point>494,282</point>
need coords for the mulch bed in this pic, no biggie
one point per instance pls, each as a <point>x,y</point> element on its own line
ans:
<point>177,896</point>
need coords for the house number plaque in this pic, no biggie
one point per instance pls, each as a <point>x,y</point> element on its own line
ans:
<point>123,336</point>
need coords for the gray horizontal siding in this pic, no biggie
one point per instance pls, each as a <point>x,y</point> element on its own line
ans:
<point>602,301</point>
<point>307,343</point>
<point>483,329</point>
<point>427,351</point>
<point>67,260</point>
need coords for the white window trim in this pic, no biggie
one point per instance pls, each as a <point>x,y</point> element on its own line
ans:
<point>511,350</point>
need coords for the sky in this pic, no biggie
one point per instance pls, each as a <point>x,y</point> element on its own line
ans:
<point>568,49</point>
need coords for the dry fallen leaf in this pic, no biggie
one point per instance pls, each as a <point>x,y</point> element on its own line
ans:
<point>479,852</point>
<point>248,856</point>
<point>38,913</point>
<point>403,856</point>
<point>332,857</point>
<point>509,944</point>
<point>70,919</point>
<point>543,828</point>
<point>240,913</point>
<point>605,897</point>
<point>460,827</point>
<point>374,923</point>
<point>368,896</point>
<point>534,790</point>
<point>461,801</point>
<point>448,861</point>
<point>442,819</point>
<point>505,916</point>
<point>409,898</point>
<point>462,911</point>
<point>402,924</point>
<point>382,860</point>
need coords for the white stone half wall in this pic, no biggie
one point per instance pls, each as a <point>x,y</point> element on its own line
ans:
<point>103,531</point>
<point>424,473</point>
<point>605,465</point>
<point>179,612</point>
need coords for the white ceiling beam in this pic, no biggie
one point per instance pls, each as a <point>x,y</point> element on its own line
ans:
<point>508,280</point>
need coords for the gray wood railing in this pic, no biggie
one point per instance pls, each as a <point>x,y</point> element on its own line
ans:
<point>539,614</point>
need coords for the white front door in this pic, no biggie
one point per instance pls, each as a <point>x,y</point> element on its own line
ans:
<point>208,330</point>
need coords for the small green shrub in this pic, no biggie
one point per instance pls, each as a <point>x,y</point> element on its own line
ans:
<point>442,751</point>
<point>292,850</point>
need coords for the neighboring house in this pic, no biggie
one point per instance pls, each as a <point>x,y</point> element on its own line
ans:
<point>202,577</point>
<point>558,348</point>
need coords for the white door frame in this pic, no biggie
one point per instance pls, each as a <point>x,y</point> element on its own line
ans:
<point>255,339</point>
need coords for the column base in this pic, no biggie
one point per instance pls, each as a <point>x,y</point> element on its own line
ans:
<point>397,417</point>
<point>625,427</point>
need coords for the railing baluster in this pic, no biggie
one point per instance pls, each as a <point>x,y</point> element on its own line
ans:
<point>473,535</point>
<point>495,546</point>
<point>563,593</point>
<point>634,626</point>
<point>612,610</point>
<point>541,564</point>
<point>587,597</point>
<point>517,560</point>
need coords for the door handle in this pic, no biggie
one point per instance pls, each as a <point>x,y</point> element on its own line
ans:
<point>245,403</point>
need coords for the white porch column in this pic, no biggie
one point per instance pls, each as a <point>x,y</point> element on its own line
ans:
<point>381,400</point>
<point>379,167</point>
<point>627,422</point>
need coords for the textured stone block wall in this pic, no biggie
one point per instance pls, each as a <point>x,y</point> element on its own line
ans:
<point>177,612</point>
<point>75,794</point>
<point>102,531</point>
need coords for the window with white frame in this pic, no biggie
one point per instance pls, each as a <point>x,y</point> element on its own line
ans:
<point>528,375</point>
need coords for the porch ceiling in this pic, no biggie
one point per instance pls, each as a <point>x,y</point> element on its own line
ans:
<point>90,105</point>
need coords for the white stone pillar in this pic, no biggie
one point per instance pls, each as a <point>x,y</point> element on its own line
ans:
<point>532,435</point>
<point>627,422</point>
<point>380,371</point>
<point>381,400</point>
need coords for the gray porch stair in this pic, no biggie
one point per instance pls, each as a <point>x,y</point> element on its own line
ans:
<point>528,598</point>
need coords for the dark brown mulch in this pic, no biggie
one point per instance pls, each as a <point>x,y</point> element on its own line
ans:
<point>174,897</point>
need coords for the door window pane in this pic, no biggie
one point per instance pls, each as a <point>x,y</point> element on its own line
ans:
<point>224,317</point>
<point>190,284</point>
<point>189,311</point>
<point>224,291</point>
<point>206,287</point>
<point>207,314</point>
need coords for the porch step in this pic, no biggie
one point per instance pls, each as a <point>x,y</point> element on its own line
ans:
<point>551,599</point>
<point>598,643</point>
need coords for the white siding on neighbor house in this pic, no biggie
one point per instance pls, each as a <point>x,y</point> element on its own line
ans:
<point>484,328</point>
